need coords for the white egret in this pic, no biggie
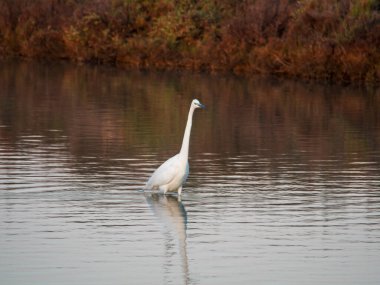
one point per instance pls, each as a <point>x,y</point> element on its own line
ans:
<point>172,174</point>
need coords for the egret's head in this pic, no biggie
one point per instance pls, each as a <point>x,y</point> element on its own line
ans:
<point>198,104</point>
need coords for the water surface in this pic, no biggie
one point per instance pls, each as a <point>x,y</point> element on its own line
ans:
<point>284,184</point>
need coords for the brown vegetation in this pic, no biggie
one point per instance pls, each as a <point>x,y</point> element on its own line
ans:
<point>324,39</point>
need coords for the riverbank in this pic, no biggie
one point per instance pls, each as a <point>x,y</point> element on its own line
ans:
<point>313,39</point>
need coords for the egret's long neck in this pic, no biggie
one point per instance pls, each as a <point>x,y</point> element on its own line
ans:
<point>186,137</point>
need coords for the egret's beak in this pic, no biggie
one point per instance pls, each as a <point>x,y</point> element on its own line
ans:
<point>200,105</point>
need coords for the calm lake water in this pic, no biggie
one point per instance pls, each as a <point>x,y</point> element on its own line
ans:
<point>284,184</point>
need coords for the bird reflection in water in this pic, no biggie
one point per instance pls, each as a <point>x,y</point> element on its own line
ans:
<point>172,213</point>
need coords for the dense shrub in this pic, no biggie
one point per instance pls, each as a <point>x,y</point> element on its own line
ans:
<point>323,39</point>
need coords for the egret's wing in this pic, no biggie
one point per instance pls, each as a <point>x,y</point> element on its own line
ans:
<point>186,172</point>
<point>164,174</point>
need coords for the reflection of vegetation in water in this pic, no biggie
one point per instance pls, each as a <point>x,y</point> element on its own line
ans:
<point>137,113</point>
<point>327,39</point>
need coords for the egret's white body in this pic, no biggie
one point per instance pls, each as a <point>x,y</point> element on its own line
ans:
<point>172,174</point>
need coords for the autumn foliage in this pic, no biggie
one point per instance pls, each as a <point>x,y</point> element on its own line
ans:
<point>319,39</point>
